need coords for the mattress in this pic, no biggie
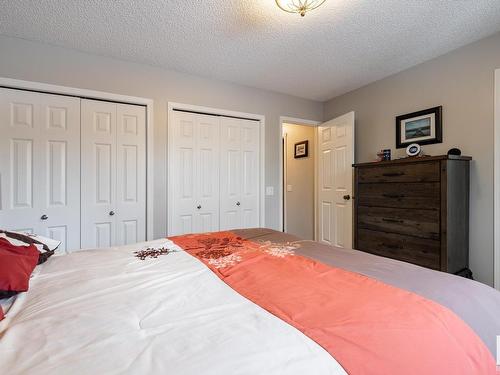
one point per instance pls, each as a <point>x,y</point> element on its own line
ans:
<point>106,311</point>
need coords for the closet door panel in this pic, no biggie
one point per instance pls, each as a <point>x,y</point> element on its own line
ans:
<point>184,170</point>
<point>131,174</point>
<point>230,175</point>
<point>60,154</point>
<point>207,216</point>
<point>19,143</point>
<point>40,165</point>
<point>250,156</point>
<point>239,196</point>
<point>98,173</point>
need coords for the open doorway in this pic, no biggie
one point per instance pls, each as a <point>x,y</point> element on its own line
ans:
<point>299,179</point>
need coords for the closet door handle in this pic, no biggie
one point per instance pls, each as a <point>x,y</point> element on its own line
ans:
<point>238,203</point>
<point>44,217</point>
<point>111,213</point>
<point>198,207</point>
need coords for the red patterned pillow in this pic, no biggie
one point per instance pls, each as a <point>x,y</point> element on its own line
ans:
<point>16,265</point>
<point>45,246</point>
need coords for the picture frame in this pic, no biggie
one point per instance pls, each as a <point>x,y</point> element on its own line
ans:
<point>301,150</point>
<point>423,127</point>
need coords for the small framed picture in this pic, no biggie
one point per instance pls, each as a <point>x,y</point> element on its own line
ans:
<point>422,127</point>
<point>301,149</point>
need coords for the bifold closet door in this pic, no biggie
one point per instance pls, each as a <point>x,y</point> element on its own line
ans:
<point>239,173</point>
<point>113,174</point>
<point>40,165</point>
<point>195,173</point>
<point>130,174</point>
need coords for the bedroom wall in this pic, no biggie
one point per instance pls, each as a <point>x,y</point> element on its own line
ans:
<point>300,175</point>
<point>463,83</point>
<point>21,59</point>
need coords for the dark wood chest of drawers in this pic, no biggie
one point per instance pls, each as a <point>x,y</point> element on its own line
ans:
<point>415,210</point>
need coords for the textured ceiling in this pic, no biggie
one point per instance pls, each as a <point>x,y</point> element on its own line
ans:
<point>340,46</point>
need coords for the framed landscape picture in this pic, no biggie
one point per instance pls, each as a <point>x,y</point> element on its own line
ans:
<point>301,149</point>
<point>422,127</point>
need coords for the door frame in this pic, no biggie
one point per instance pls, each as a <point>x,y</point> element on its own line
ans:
<point>282,193</point>
<point>106,96</point>
<point>171,106</point>
<point>496,183</point>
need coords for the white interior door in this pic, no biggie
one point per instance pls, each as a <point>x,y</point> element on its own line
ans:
<point>239,176</point>
<point>98,173</point>
<point>39,165</point>
<point>250,176</point>
<point>195,173</point>
<point>336,156</point>
<point>207,182</point>
<point>60,163</point>
<point>113,174</point>
<point>230,174</point>
<point>130,213</point>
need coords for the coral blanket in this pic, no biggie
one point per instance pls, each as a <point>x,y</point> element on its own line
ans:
<point>366,325</point>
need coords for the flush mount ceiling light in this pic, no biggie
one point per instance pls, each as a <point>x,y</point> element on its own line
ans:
<point>299,6</point>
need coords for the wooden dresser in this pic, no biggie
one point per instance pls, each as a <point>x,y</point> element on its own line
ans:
<point>415,210</point>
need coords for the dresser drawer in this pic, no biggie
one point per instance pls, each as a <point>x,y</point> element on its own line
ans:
<point>418,223</point>
<point>420,251</point>
<point>418,172</point>
<point>403,195</point>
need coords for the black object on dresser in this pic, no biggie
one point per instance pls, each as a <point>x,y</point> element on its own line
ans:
<point>415,210</point>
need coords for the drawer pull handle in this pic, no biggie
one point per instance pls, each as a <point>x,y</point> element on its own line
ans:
<point>393,195</point>
<point>395,247</point>
<point>392,220</point>
<point>393,174</point>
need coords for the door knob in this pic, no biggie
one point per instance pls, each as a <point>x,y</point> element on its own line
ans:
<point>198,207</point>
<point>111,213</point>
<point>347,197</point>
<point>238,203</point>
<point>44,217</point>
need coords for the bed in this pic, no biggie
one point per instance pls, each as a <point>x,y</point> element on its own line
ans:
<point>252,301</point>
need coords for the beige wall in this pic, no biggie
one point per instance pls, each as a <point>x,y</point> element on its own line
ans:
<point>30,61</point>
<point>463,83</point>
<point>300,175</point>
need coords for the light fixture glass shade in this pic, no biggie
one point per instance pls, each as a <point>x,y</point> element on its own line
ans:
<point>299,6</point>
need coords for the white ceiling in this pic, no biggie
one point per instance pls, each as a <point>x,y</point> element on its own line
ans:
<point>340,46</point>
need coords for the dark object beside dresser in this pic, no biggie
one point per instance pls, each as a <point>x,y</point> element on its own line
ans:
<point>415,210</point>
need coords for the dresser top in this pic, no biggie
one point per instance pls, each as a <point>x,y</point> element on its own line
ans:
<point>413,159</point>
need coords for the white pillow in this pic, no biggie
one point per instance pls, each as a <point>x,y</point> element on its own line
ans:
<point>45,243</point>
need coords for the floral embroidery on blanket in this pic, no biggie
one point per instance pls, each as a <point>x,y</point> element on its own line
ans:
<point>228,260</point>
<point>221,250</point>
<point>280,250</point>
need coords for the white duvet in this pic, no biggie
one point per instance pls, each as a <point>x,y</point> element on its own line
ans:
<point>107,312</point>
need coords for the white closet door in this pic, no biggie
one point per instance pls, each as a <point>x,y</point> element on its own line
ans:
<point>39,165</point>
<point>131,174</point>
<point>250,156</point>
<point>183,173</point>
<point>195,173</point>
<point>230,174</point>
<point>60,154</point>
<point>19,175</point>
<point>239,193</point>
<point>98,172</point>
<point>207,209</point>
